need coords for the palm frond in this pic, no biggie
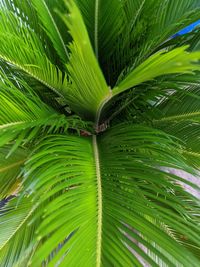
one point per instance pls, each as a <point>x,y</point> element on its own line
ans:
<point>132,193</point>
<point>21,47</point>
<point>174,16</point>
<point>24,117</point>
<point>125,188</point>
<point>88,88</point>
<point>13,248</point>
<point>104,22</point>
<point>48,20</point>
<point>64,182</point>
<point>180,105</point>
<point>28,14</point>
<point>179,114</point>
<point>144,32</point>
<point>99,193</point>
<point>175,61</point>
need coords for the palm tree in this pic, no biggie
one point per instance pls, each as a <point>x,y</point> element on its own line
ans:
<point>99,108</point>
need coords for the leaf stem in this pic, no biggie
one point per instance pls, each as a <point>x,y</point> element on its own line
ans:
<point>102,104</point>
<point>99,200</point>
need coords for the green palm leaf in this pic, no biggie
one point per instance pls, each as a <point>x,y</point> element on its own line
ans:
<point>104,21</point>
<point>24,117</point>
<point>21,47</point>
<point>48,21</point>
<point>179,115</point>
<point>107,215</point>
<point>112,190</point>
<point>175,61</point>
<point>88,87</point>
<point>13,253</point>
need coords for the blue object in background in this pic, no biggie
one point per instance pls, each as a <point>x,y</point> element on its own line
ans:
<point>188,29</point>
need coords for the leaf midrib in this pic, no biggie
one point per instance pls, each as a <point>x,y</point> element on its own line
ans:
<point>56,28</point>
<point>19,226</point>
<point>99,202</point>
<point>32,75</point>
<point>178,117</point>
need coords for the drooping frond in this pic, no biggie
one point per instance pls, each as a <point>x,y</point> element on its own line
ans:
<point>87,195</point>
<point>30,16</point>
<point>13,248</point>
<point>180,105</point>
<point>178,113</point>
<point>69,183</point>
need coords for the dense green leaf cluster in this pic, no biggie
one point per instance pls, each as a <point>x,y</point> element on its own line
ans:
<point>99,108</point>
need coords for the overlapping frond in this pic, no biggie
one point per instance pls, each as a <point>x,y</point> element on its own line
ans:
<point>180,105</point>
<point>104,21</point>
<point>105,198</point>
<point>62,171</point>
<point>19,112</point>
<point>175,61</point>
<point>140,200</point>
<point>179,114</point>
<point>88,88</point>
<point>134,196</point>
<point>22,47</point>
<point>15,250</point>
<point>46,12</point>
<point>144,32</point>
<point>24,117</point>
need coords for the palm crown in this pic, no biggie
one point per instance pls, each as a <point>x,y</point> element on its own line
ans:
<point>98,104</point>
